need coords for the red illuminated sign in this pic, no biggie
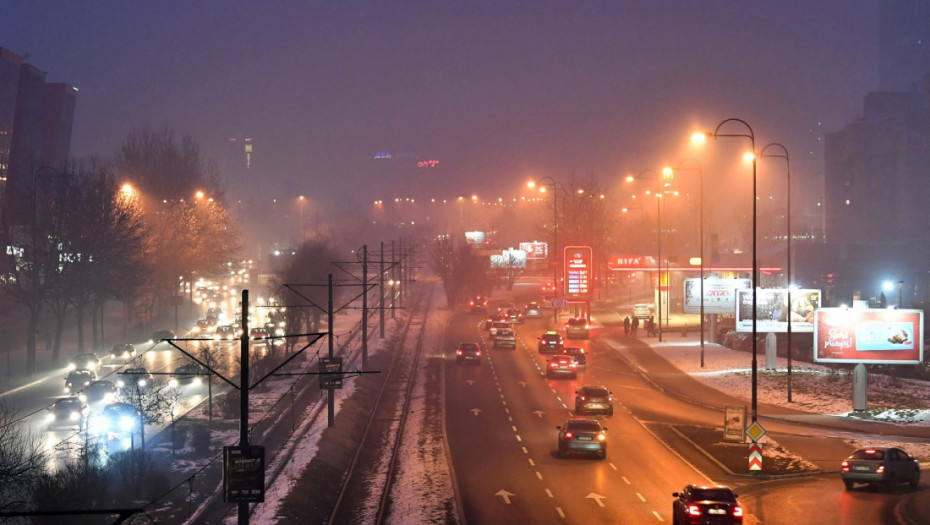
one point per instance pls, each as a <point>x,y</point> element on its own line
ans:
<point>535,250</point>
<point>615,262</point>
<point>849,335</point>
<point>577,270</point>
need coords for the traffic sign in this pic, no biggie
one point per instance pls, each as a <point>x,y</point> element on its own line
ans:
<point>330,372</point>
<point>755,431</point>
<point>755,456</point>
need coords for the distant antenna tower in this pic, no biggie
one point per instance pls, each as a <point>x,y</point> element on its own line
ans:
<point>248,150</point>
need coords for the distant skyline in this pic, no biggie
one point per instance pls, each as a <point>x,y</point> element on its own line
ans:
<point>497,92</point>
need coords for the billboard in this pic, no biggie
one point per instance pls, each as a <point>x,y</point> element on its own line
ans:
<point>843,335</point>
<point>509,258</point>
<point>475,238</point>
<point>535,250</point>
<point>772,310</point>
<point>719,295</point>
<point>577,266</point>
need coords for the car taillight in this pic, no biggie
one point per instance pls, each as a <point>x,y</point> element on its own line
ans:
<point>586,327</point>
<point>737,512</point>
<point>458,352</point>
<point>478,353</point>
<point>568,435</point>
<point>845,466</point>
<point>880,469</point>
<point>610,398</point>
<point>694,510</point>
<point>553,365</point>
<point>583,398</point>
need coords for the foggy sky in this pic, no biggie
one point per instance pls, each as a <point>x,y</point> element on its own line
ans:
<point>497,91</point>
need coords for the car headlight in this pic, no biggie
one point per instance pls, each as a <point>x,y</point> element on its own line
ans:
<point>120,383</point>
<point>172,382</point>
<point>49,417</point>
<point>197,381</point>
<point>83,397</point>
<point>142,382</point>
<point>108,397</point>
<point>74,415</point>
<point>72,366</point>
<point>125,423</point>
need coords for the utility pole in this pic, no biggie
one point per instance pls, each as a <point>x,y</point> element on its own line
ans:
<point>244,393</point>
<point>365,306</point>
<point>331,399</point>
<point>381,288</point>
<point>393,279</point>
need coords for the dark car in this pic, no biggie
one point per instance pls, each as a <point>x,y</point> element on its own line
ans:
<point>478,303</point>
<point>159,335</point>
<point>85,361</point>
<point>699,504</point>
<point>259,334</point>
<point>581,435</point>
<point>532,310</point>
<point>514,316</point>
<point>124,351</point>
<point>67,411</point>
<point>139,376</point>
<point>578,354</point>
<point>227,332</point>
<point>78,380</point>
<point>189,373</point>
<point>117,419</point>
<point>884,466</point>
<point>493,318</point>
<point>562,366</point>
<point>466,352</point>
<point>103,390</point>
<point>589,399</point>
<point>576,327</point>
<point>551,343</point>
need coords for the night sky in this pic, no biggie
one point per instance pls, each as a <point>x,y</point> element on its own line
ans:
<point>497,91</point>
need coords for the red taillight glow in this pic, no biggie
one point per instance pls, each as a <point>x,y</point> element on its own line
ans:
<point>553,365</point>
<point>880,469</point>
<point>458,352</point>
<point>610,398</point>
<point>568,435</point>
<point>845,466</point>
<point>478,353</point>
<point>583,398</point>
<point>870,451</point>
<point>737,512</point>
<point>694,510</point>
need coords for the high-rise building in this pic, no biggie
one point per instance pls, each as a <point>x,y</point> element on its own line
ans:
<point>903,43</point>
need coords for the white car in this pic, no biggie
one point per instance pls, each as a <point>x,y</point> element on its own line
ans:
<point>498,325</point>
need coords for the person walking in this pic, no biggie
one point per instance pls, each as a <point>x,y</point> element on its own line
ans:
<point>650,327</point>
<point>634,327</point>
<point>626,326</point>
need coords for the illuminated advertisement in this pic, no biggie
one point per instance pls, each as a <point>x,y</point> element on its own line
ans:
<point>474,238</point>
<point>719,295</point>
<point>577,270</point>
<point>844,335</point>
<point>631,262</point>
<point>509,258</point>
<point>535,250</point>
<point>773,312</point>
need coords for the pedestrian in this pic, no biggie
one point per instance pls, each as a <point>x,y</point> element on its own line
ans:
<point>626,326</point>
<point>634,327</point>
<point>650,327</point>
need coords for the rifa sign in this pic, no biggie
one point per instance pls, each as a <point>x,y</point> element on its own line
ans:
<point>850,335</point>
<point>535,250</point>
<point>630,262</point>
<point>577,270</point>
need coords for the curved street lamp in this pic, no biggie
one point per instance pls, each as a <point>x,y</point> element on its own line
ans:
<point>784,155</point>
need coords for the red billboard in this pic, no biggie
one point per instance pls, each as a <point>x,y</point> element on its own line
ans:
<point>577,266</point>
<point>535,250</point>
<point>849,335</point>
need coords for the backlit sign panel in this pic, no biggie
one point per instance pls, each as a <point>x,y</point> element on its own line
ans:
<point>509,258</point>
<point>872,336</point>
<point>719,295</point>
<point>577,270</point>
<point>474,238</point>
<point>535,250</point>
<point>772,310</point>
<point>630,262</point>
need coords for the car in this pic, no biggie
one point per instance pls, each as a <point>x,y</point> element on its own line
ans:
<point>594,398</point>
<point>215,312</point>
<point>548,291</point>
<point>551,343</point>
<point>884,466</point>
<point>79,379</point>
<point>643,311</point>
<point>532,310</point>
<point>259,334</point>
<point>466,352</point>
<point>514,316</point>
<point>227,332</point>
<point>103,390</point>
<point>580,435</point>
<point>505,337</point>
<point>202,326</point>
<point>160,335</point>
<point>496,326</point>
<point>274,330</point>
<point>478,303</point>
<point>86,361</point>
<point>124,351</point>
<point>699,504</point>
<point>67,411</point>
<point>117,419</point>
<point>576,327</point>
<point>139,376</point>
<point>190,373</point>
<point>561,366</point>
<point>578,355</point>
<point>493,318</point>
<point>503,308</point>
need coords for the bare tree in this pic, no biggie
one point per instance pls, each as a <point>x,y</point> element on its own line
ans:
<point>22,460</point>
<point>462,271</point>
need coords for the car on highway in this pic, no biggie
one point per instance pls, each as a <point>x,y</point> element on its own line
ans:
<point>643,311</point>
<point>594,398</point>
<point>532,309</point>
<point>78,380</point>
<point>103,390</point>
<point>882,466</point>
<point>578,354</point>
<point>202,326</point>
<point>493,318</point>
<point>576,328</point>
<point>139,376</point>
<point>505,337</point>
<point>700,504</point>
<point>259,334</point>
<point>86,361</point>
<point>551,343</point>
<point>496,326</point>
<point>117,420</point>
<point>159,335</point>
<point>67,411</point>
<point>468,352</point>
<point>124,351</point>
<point>190,373</point>
<point>478,303</point>
<point>514,316</point>
<point>227,332</point>
<point>580,435</point>
<point>561,366</point>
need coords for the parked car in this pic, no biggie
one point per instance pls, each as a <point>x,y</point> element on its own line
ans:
<point>85,361</point>
<point>124,351</point>
<point>576,327</point>
<point>698,505</point>
<point>883,466</point>
<point>643,310</point>
<point>561,366</point>
<point>594,398</point>
<point>67,411</point>
<point>468,352</point>
<point>505,337</point>
<point>79,379</point>
<point>581,435</point>
<point>577,353</point>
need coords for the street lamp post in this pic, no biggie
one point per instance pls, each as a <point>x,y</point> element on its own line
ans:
<point>303,229</point>
<point>658,195</point>
<point>697,168</point>
<point>784,155</point>
<point>544,182</point>
<point>755,281</point>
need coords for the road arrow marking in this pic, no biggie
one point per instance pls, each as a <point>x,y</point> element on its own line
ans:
<point>475,411</point>
<point>598,498</point>
<point>504,494</point>
<point>538,413</point>
<point>522,383</point>
<point>469,382</point>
